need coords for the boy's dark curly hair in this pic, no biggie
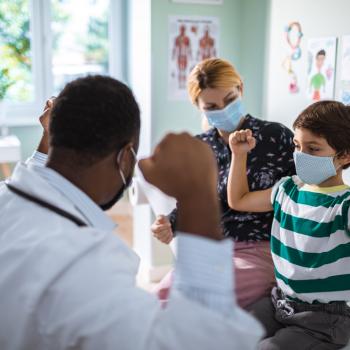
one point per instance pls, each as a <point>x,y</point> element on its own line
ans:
<point>328,119</point>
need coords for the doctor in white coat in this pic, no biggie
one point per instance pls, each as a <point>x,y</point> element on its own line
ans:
<point>67,281</point>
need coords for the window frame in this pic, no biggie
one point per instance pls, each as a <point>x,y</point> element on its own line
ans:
<point>27,113</point>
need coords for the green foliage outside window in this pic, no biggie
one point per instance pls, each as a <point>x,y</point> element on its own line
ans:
<point>16,63</point>
<point>97,41</point>
<point>5,82</point>
<point>15,60</point>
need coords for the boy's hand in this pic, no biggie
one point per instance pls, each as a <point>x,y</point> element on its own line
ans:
<point>161,229</point>
<point>241,142</point>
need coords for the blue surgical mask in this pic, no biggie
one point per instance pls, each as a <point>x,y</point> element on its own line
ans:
<point>314,170</point>
<point>228,118</point>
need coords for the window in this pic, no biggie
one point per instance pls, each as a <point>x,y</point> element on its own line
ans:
<point>79,39</point>
<point>45,44</point>
<point>15,51</point>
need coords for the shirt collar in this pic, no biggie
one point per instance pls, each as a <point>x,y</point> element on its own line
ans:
<point>325,190</point>
<point>84,204</point>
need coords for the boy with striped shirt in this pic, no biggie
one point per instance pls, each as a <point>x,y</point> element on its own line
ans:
<point>310,236</point>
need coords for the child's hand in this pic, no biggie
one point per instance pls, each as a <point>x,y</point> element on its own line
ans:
<point>161,229</point>
<point>241,142</point>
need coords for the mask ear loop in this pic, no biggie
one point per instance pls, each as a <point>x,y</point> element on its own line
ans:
<point>135,156</point>
<point>133,152</point>
<point>118,160</point>
<point>120,170</point>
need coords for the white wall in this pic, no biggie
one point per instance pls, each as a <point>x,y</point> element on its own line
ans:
<point>319,18</point>
<point>140,80</point>
<point>243,31</point>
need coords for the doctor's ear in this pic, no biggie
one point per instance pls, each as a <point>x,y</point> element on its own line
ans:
<point>124,156</point>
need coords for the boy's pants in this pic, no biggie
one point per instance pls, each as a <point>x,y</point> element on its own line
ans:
<point>292,325</point>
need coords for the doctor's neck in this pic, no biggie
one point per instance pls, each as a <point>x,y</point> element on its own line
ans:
<point>94,178</point>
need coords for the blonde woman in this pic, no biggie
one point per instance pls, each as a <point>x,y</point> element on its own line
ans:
<point>216,89</point>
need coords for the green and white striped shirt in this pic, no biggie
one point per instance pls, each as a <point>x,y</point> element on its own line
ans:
<point>310,241</point>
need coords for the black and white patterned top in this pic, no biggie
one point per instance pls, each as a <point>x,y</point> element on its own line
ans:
<point>270,160</point>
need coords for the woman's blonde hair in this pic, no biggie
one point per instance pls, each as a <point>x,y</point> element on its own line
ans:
<point>212,73</point>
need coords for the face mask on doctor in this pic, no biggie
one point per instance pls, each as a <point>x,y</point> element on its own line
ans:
<point>228,118</point>
<point>314,170</point>
<point>126,183</point>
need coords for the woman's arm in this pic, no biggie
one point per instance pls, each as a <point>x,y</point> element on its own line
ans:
<point>238,195</point>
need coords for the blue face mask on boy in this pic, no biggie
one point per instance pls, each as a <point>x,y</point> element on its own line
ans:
<point>228,118</point>
<point>314,170</point>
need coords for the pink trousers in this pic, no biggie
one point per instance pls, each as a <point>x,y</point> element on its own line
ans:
<point>253,269</point>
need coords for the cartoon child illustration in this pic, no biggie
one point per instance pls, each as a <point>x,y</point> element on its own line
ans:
<point>318,80</point>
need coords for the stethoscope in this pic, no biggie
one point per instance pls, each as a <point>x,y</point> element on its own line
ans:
<point>45,205</point>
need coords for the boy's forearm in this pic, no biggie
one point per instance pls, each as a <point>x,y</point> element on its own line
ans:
<point>237,186</point>
<point>238,194</point>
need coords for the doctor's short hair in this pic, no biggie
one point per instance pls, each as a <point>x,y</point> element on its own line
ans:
<point>93,117</point>
<point>330,120</point>
<point>212,73</point>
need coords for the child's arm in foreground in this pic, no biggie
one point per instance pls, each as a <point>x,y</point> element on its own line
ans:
<point>238,195</point>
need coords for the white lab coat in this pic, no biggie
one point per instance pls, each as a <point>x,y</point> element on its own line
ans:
<point>64,287</point>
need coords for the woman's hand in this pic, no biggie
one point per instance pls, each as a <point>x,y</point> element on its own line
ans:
<point>45,117</point>
<point>161,229</point>
<point>44,121</point>
<point>241,142</point>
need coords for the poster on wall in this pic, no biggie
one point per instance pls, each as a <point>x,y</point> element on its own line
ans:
<point>344,93</point>
<point>321,68</point>
<point>293,36</point>
<point>191,40</point>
